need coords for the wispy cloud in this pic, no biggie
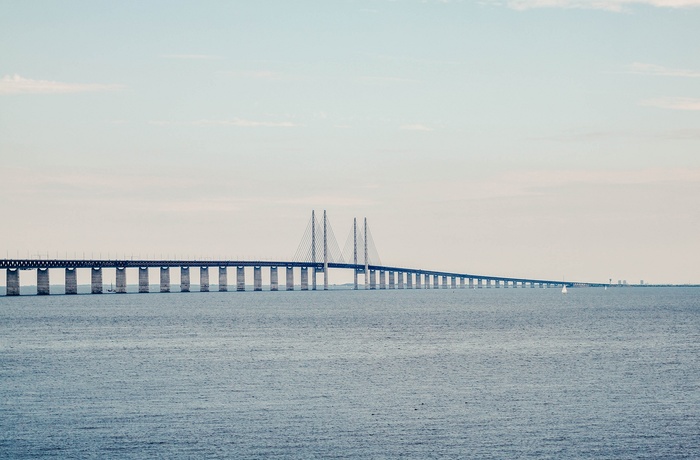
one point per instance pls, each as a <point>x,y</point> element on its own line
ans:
<point>416,127</point>
<point>201,57</point>
<point>15,84</point>
<point>255,74</point>
<point>673,103</point>
<point>239,122</point>
<point>539,182</point>
<point>609,5</point>
<point>640,68</point>
<point>385,80</point>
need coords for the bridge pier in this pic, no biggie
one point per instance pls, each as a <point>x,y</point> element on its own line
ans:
<point>96,280</point>
<point>290,278</point>
<point>184,279</point>
<point>382,279</point>
<point>120,278</point>
<point>257,279</point>
<point>71,281</point>
<point>418,278</point>
<point>435,282</point>
<point>372,279</point>
<point>240,279</point>
<point>274,286</point>
<point>454,282</point>
<point>203,279</point>
<point>400,276</point>
<point>12,281</point>
<point>164,279</point>
<point>497,283</point>
<point>304,278</point>
<point>479,283</point>
<point>223,282</point>
<point>426,281</point>
<point>42,281</point>
<point>444,282</point>
<point>143,280</point>
<point>392,280</point>
<point>461,282</point>
<point>355,285</point>
<point>313,278</point>
<point>471,283</point>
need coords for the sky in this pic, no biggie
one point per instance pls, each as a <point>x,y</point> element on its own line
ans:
<point>554,139</point>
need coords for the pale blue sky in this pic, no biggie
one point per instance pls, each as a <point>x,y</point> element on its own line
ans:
<point>526,138</point>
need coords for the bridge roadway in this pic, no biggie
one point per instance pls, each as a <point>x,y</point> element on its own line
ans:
<point>407,277</point>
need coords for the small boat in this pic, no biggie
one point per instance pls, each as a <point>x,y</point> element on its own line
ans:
<point>563,289</point>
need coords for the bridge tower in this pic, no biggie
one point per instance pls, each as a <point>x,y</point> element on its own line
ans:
<point>354,252</point>
<point>366,259</point>
<point>325,253</point>
<point>313,249</point>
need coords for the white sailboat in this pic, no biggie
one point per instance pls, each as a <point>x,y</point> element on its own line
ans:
<point>563,289</point>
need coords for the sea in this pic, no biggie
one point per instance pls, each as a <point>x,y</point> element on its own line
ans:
<point>456,374</point>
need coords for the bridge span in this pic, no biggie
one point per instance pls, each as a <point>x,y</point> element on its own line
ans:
<point>375,276</point>
<point>317,252</point>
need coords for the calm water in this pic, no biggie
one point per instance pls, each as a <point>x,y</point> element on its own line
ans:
<point>499,373</point>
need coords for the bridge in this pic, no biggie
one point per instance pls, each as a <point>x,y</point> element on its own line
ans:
<point>318,252</point>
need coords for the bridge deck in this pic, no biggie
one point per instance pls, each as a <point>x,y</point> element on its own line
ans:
<point>32,264</point>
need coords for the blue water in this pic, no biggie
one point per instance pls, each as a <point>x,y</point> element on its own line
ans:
<point>499,373</point>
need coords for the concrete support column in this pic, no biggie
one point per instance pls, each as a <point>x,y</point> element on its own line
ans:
<point>426,281</point>
<point>471,283</point>
<point>313,278</point>
<point>454,282</point>
<point>257,278</point>
<point>42,281</point>
<point>96,280</point>
<point>435,281</point>
<point>488,284</point>
<point>382,279</point>
<point>418,283</point>
<point>497,283</point>
<point>355,286</point>
<point>71,281</point>
<point>409,280</point>
<point>120,288</point>
<point>541,285</point>
<point>290,278</point>
<point>143,280</point>
<point>461,283</point>
<point>444,282</point>
<point>203,279</point>
<point>505,284</point>
<point>240,279</point>
<point>480,283</point>
<point>184,279</point>
<point>304,278</point>
<point>400,275</point>
<point>373,279</point>
<point>12,281</point>
<point>392,281</point>
<point>274,282</point>
<point>223,282</point>
<point>164,279</point>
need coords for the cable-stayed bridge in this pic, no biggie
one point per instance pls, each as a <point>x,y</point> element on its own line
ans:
<point>318,252</point>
